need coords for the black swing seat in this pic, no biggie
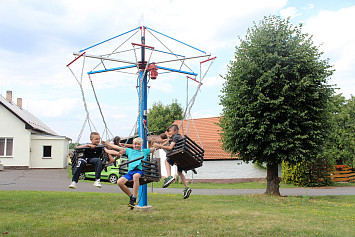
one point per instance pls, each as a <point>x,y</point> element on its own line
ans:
<point>187,154</point>
<point>79,153</point>
<point>150,171</point>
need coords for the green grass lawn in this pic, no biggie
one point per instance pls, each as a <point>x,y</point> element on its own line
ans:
<point>29,213</point>
<point>248,185</point>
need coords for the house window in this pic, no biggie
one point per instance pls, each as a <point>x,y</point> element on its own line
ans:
<point>6,147</point>
<point>47,152</point>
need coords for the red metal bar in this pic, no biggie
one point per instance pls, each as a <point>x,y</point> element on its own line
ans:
<point>76,59</point>
<point>147,86</point>
<point>194,80</point>
<point>142,31</point>
<point>143,45</point>
<point>208,60</point>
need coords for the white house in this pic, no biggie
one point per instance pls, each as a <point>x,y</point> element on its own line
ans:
<point>26,142</point>
<point>218,164</point>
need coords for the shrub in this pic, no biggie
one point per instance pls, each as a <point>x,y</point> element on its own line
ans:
<point>309,174</point>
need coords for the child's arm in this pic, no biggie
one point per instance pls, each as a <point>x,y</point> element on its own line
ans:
<point>112,152</point>
<point>114,146</point>
<point>166,141</point>
<point>169,148</point>
<point>126,145</point>
<point>86,145</point>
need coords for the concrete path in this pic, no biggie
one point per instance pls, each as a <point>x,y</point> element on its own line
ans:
<point>58,180</point>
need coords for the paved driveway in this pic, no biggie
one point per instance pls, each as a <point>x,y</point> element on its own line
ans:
<point>58,180</point>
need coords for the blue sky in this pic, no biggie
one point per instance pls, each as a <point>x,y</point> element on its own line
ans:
<point>38,39</point>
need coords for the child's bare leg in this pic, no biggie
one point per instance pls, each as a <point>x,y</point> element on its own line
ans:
<point>168,168</point>
<point>136,177</point>
<point>183,179</point>
<point>111,159</point>
<point>122,184</point>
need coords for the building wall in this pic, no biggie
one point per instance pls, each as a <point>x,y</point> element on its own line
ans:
<point>227,169</point>
<point>60,151</point>
<point>219,169</point>
<point>12,127</point>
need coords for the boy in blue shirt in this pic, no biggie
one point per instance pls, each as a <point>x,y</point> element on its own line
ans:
<point>135,169</point>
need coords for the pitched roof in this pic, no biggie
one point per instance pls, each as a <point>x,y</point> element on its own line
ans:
<point>29,119</point>
<point>208,131</point>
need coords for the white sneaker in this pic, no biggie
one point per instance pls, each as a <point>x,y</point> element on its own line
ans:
<point>73,185</point>
<point>97,183</point>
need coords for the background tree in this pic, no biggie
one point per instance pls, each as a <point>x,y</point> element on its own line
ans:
<point>275,98</point>
<point>340,146</point>
<point>73,145</point>
<point>160,116</point>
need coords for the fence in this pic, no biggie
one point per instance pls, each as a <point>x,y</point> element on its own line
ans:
<point>343,173</point>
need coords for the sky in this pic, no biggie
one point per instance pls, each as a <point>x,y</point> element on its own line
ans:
<point>38,39</point>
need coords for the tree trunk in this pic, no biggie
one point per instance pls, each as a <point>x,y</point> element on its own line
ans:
<point>273,180</point>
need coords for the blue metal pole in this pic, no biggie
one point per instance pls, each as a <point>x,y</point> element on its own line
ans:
<point>108,40</point>
<point>143,86</point>
<point>175,39</point>
<point>175,70</point>
<point>111,69</point>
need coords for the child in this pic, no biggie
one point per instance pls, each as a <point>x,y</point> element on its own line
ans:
<point>117,142</point>
<point>162,139</point>
<point>92,156</point>
<point>174,137</point>
<point>135,169</point>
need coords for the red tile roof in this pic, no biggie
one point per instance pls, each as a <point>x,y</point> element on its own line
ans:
<point>208,132</point>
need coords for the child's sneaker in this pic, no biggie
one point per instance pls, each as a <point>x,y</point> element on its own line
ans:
<point>132,202</point>
<point>168,181</point>
<point>187,192</point>
<point>97,183</point>
<point>73,185</point>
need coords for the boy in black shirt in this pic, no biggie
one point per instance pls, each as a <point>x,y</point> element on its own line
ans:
<point>174,137</point>
<point>92,156</point>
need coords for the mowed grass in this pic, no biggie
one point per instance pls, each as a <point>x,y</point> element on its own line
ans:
<point>29,213</point>
<point>248,185</point>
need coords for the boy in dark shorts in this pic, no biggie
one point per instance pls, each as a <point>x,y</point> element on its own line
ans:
<point>135,169</point>
<point>174,135</point>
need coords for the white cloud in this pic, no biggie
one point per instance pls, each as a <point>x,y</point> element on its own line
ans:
<point>309,6</point>
<point>291,12</point>
<point>213,81</point>
<point>48,109</point>
<point>203,114</point>
<point>333,31</point>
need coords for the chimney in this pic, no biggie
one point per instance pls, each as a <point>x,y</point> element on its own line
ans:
<point>9,96</point>
<point>19,102</point>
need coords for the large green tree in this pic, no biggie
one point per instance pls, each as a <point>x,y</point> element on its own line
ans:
<point>160,116</point>
<point>275,98</point>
